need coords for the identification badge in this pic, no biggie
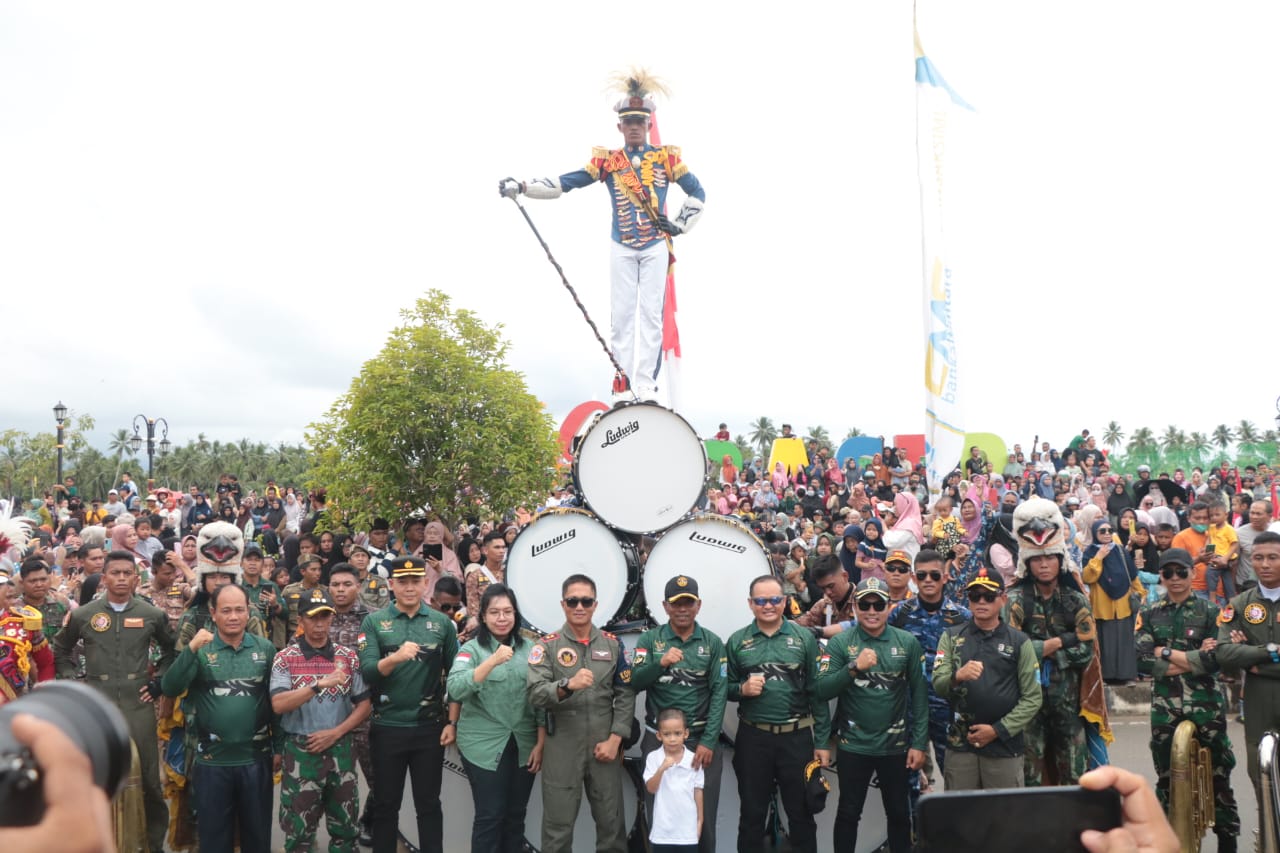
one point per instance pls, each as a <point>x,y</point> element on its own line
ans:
<point>601,654</point>
<point>1255,614</point>
<point>135,622</point>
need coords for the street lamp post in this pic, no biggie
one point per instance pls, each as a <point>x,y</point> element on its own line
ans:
<point>135,441</point>
<point>60,415</point>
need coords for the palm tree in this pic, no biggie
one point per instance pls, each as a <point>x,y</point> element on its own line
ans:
<point>763,432</point>
<point>1198,444</point>
<point>744,447</point>
<point>1246,433</point>
<point>854,432</point>
<point>1142,440</point>
<point>820,435</point>
<point>1223,436</point>
<point>119,446</point>
<point>1113,435</point>
<point>1173,439</point>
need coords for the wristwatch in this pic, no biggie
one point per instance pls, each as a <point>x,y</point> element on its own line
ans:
<point>1274,651</point>
<point>317,689</point>
<point>563,684</point>
<point>1166,653</point>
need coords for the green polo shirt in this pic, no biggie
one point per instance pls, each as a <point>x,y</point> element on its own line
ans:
<point>788,658</point>
<point>234,723</point>
<point>413,694</point>
<point>875,705</point>
<point>697,684</point>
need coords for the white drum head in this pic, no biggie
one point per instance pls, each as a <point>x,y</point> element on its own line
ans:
<point>640,468</point>
<point>722,556</point>
<point>559,543</point>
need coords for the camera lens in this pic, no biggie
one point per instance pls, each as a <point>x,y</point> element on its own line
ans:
<point>87,718</point>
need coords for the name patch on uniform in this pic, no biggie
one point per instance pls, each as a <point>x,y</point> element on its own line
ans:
<point>567,657</point>
<point>100,622</point>
<point>1255,614</point>
<point>537,654</point>
<point>134,622</point>
<point>601,654</point>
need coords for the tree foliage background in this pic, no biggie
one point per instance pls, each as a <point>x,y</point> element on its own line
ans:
<point>435,421</point>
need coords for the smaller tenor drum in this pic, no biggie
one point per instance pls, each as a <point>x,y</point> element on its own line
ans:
<point>722,555</point>
<point>640,467</point>
<point>563,542</point>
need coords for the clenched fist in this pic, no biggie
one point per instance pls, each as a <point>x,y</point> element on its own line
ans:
<point>582,679</point>
<point>971,671</point>
<point>202,638</point>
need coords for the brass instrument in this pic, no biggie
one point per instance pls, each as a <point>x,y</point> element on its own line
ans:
<point>1269,779</point>
<point>1191,799</point>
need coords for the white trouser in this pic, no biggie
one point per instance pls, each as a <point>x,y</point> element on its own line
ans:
<point>638,283</point>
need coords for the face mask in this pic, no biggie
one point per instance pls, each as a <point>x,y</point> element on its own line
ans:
<point>1199,528</point>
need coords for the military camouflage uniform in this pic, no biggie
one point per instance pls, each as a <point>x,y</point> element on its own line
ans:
<point>345,631</point>
<point>375,592</point>
<point>1194,696</point>
<point>318,783</point>
<point>1057,732</point>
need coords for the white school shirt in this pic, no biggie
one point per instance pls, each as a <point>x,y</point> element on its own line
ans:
<point>675,814</point>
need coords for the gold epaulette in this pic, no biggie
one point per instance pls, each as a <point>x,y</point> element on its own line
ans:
<point>549,637</point>
<point>32,619</point>
<point>672,150</point>
<point>599,153</point>
<point>609,636</point>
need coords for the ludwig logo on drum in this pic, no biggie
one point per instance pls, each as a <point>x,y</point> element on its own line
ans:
<point>725,545</point>
<point>553,542</point>
<point>613,436</point>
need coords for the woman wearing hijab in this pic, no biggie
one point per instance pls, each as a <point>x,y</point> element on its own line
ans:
<point>833,476</point>
<point>1117,502</point>
<point>1146,559</point>
<point>906,530</point>
<point>977,522</point>
<point>434,535</point>
<point>292,512</point>
<point>779,477</point>
<point>871,552</point>
<point>849,552</point>
<point>1044,485</point>
<point>728,471</point>
<point>852,473</point>
<point>1112,577</point>
<point>1124,523</point>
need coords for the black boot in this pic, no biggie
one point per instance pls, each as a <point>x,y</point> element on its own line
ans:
<point>1226,843</point>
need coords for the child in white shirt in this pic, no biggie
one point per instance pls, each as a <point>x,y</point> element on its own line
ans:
<point>676,786</point>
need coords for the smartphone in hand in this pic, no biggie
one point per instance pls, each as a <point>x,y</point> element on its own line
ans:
<point>1046,820</point>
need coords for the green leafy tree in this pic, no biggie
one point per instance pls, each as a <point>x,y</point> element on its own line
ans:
<point>1113,435</point>
<point>820,435</point>
<point>763,432</point>
<point>436,420</point>
<point>1198,446</point>
<point>744,446</point>
<point>1223,436</point>
<point>1246,432</point>
<point>854,432</point>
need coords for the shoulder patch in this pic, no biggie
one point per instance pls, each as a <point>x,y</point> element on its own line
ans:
<point>1228,613</point>
<point>537,653</point>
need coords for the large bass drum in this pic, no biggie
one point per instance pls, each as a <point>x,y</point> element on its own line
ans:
<point>722,555</point>
<point>640,467</point>
<point>562,542</point>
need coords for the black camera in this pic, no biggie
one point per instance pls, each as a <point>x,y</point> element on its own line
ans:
<point>87,718</point>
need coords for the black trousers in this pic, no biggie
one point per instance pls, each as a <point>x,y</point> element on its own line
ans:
<point>227,797</point>
<point>501,800</point>
<point>763,760</point>
<point>855,776</point>
<point>417,751</point>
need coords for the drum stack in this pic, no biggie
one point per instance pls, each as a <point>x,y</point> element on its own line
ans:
<point>641,470</point>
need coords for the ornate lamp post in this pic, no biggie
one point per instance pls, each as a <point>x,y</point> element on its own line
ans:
<point>60,415</point>
<point>136,440</point>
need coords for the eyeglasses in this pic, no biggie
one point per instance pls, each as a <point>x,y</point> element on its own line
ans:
<point>1175,571</point>
<point>988,597</point>
<point>898,568</point>
<point>585,602</point>
<point>872,602</point>
<point>932,576</point>
<point>766,600</point>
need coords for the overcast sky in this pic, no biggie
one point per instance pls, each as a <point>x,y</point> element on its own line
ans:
<point>215,212</point>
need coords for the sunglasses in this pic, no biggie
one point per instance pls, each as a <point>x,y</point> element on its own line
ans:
<point>932,576</point>
<point>766,600</point>
<point>574,603</point>
<point>988,597</point>
<point>898,568</point>
<point>448,608</point>
<point>1104,529</point>
<point>1178,572</point>
<point>870,602</point>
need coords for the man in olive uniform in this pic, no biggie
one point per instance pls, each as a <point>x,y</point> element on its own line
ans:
<point>1176,643</point>
<point>583,682</point>
<point>783,725</point>
<point>263,592</point>
<point>877,671</point>
<point>682,665</point>
<point>118,630</point>
<point>1046,604</point>
<point>405,654</point>
<point>374,591</point>
<point>309,568</point>
<point>349,614</point>
<point>1249,639</point>
<point>317,688</point>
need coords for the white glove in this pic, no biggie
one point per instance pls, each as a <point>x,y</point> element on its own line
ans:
<point>510,187</point>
